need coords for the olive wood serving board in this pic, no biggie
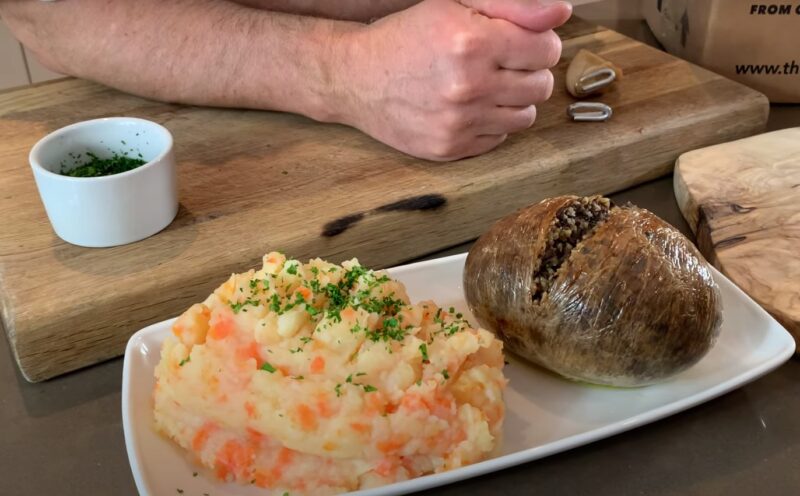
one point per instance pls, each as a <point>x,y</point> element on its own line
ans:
<point>742,200</point>
<point>252,181</point>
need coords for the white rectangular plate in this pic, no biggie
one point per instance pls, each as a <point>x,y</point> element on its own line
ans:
<point>545,414</point>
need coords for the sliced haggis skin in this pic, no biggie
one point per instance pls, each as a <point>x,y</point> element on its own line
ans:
<point>598,293</point>
<point>572,224</point>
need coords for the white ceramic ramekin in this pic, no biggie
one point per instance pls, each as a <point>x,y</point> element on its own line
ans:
<point>108,210</point>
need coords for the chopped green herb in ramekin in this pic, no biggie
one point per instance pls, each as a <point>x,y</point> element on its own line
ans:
<point>97,166</point>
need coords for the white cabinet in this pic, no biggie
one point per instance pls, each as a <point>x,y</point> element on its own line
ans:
<point>18,67</point>
<point>13,71</point>
<point>37,71</point>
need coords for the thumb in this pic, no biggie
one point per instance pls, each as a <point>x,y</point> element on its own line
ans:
<point>535,15</point>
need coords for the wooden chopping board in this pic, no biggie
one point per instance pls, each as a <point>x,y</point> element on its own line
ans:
<point>742,200</point>
<point>255,181</point>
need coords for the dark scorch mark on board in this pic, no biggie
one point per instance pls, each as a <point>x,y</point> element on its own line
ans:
<point>421,203</point>
<point>340,225</point>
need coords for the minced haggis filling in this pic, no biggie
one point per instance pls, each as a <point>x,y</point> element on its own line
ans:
<point>572,224</point>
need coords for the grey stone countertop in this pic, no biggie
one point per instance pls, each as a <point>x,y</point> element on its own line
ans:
<point>64,436</point>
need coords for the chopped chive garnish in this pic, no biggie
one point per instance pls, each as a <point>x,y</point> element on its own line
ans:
<point>102,166</point>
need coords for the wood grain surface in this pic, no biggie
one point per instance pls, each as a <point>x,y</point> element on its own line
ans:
<point>252,181</point>
<point>742,199</point>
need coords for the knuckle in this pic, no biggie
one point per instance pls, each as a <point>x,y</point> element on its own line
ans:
<point>484,145</point>
<point>465,44</point>
<point>529,116</point>
<point>551,48</point>
<point>489,145</point>
<point>544,84</point>
<point>499,140</point>
<point>452,122</point>
<point>525,118</point>
<point>444,149</point>
<point>460,91</point>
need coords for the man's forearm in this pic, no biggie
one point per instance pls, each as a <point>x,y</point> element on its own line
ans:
<point>350,10</point>
<point>209,52</point>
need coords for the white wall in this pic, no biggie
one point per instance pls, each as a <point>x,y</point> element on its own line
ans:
<point>13,71</point>
<point>18,67</point>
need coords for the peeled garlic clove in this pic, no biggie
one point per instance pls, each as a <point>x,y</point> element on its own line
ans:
<point>588,73</point>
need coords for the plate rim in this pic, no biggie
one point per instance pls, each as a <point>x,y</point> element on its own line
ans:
<point>503,461</point>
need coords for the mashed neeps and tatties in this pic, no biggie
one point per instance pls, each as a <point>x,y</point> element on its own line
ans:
<point>317,378</point>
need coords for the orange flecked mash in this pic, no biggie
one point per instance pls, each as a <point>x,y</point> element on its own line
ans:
<point>319,379</point>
